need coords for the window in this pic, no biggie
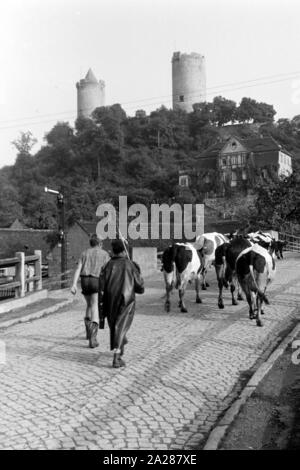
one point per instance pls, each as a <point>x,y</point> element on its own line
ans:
<point>224,161</point>
<point>244,175</point>
<point>233,145</point>
<point>181,98</point>
<point>184,181</point>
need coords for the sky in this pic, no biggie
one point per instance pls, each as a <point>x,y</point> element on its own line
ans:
<point>251,48</point>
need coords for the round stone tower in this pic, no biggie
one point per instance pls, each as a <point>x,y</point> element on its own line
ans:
<point>188,80</point>
<point>90,94</point>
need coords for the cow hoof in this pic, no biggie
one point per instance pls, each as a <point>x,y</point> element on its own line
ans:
<point>167,307</point>
<point>207,285</point>
<point>240,297</point>
<point>234,302</point>
<point>220,305</point>
<point>251,316</point>
<point>183,310</point>
<point>204,287</point>
<point>262,312</point>
<point>198,301</point>
<point>259,323</point>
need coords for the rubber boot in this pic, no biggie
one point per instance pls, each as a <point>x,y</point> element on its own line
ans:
<point>87,322</point>
<point>93,330</point>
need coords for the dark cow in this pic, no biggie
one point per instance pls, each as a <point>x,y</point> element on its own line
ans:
<point>255,269</point>
<point>180,265</point>
<point>278,246</point>
<point>225,259</point>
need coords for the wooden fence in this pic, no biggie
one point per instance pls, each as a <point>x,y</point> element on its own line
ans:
<point>26,277</point>
<point>292,242</point>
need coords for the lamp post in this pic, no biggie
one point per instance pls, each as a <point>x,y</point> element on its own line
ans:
<point>61,231</point>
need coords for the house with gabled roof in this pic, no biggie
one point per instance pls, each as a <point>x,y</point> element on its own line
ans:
<point>232,161</point>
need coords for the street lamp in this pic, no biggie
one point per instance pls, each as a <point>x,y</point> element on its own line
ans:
<point>61,230</point>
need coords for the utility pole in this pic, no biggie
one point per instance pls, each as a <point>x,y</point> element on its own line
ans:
<point>62,237</point>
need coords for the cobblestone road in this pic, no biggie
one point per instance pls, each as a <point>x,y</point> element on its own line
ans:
<point>183,371</point>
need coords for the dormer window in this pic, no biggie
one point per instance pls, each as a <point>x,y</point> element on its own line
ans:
<point>233,145</point>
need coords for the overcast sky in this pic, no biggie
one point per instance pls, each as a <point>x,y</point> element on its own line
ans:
<point>47,46</point>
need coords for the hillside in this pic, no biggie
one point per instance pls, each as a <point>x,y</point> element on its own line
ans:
<point>112,154</point>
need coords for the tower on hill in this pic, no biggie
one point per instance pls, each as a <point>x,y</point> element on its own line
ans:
<point>188,80</point>
<point>90,94</point>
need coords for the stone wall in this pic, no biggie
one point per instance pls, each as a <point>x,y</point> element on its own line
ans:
<point>146,259</point>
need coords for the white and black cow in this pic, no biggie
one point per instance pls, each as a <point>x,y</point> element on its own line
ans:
<point>180,265</point>
<point>225,259</point>
<point>206,245</point>
<point>263,239</point>
<point>255,269</point>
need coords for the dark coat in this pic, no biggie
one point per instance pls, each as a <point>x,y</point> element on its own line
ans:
<point>119,280</point>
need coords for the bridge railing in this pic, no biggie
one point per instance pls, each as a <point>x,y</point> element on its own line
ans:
<point>292,241</point>
<point>26,274</point>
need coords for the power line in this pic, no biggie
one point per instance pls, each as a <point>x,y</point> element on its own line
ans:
<point>70,114</point>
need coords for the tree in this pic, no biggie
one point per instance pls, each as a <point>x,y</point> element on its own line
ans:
<point>60,134</point>
<point>223,110</point>
<point>250,110</point>
<point>24,143</point>
<point>278,202</point>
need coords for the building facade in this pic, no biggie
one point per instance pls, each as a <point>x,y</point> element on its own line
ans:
<point>236,161</point>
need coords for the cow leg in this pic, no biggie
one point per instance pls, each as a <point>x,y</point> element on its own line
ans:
<point>232,281</point>
<point>204,279</point>
<point>197,286</point>
<point>239,294</point>
<point>258,305</point>
<point>261,281</point>
<point>168,302</point>
<point>232,289</point>
<point>220,278</point>
<point>169,283</point>
<point>183,308</point>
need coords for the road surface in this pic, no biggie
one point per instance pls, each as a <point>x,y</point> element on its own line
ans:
<point>183,370</point>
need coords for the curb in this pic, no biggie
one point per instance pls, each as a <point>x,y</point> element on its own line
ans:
<point>35,315</point>
<point>217,434</point>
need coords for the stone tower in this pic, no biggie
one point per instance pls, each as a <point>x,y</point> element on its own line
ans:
<point>90,94</point>
<point>188,80</point>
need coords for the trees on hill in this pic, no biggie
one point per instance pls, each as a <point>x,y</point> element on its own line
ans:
<point>112,154</point>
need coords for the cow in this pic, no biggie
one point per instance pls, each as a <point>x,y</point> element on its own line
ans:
<point>279,245</point>
<point>263,239</point>
<point>206,245</point>
<point>180,265</point>
<point>225,259</point>
<point>255,269</point>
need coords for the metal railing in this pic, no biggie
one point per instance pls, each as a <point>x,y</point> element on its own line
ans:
<point>26,276</point>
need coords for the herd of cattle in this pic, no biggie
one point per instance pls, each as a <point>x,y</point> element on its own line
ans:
<point>245,263</point>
